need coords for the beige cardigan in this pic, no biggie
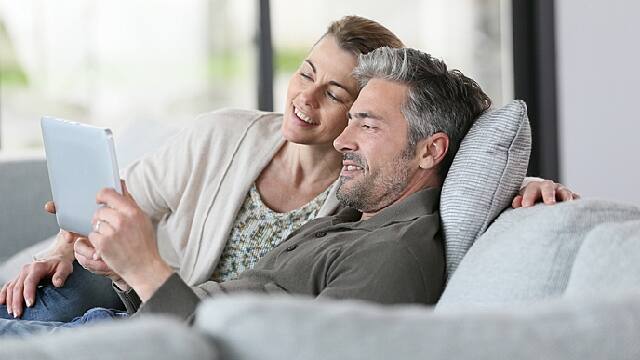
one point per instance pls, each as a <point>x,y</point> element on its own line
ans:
<point>193,187</point>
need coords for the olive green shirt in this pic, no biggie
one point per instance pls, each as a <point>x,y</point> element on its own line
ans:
<point>397,256</point>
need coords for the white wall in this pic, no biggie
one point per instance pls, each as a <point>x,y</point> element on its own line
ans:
<point>599,97</point>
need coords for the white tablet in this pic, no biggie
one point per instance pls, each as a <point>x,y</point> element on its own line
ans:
<point>81,161</point>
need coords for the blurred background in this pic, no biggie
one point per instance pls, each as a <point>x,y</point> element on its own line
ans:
<point>139,67</point>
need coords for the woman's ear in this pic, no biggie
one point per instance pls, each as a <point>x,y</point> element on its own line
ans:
<point>432,150</point>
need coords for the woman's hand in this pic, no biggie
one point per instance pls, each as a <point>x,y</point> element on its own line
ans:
<point>57,265</point>
<point>124,239</point>
<point>546,191</point>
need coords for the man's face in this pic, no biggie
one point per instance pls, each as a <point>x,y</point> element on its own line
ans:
<point>377,162</point>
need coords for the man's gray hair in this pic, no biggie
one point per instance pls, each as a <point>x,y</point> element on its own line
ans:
<point>438,100</point>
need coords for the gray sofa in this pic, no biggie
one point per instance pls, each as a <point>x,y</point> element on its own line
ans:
<point>557,282</point>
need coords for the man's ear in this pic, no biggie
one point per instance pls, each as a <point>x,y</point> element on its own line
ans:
<point>432,150</point>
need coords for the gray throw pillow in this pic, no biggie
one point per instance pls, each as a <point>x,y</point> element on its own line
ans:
<point>485,176</point>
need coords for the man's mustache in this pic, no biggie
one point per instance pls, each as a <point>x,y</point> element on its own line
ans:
<point>356,159</point>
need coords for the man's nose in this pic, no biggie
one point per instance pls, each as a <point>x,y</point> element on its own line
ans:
<point>345,142</point>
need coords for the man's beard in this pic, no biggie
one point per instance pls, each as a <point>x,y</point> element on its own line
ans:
<point>376,190</point>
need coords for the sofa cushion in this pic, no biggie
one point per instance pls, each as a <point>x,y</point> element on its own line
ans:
<point>485,176</point>
<point>527,254</point>
<point>608,261</point>
<point>146,338</point>
<point>266,328</point>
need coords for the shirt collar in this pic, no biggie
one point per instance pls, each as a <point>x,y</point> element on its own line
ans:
<point>419,204</point>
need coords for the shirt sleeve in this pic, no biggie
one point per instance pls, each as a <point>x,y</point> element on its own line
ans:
<point>176,298</point>
<point>386,273</point>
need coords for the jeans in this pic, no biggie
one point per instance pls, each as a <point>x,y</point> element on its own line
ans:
<point>82,291</point>
<point>28,327</point>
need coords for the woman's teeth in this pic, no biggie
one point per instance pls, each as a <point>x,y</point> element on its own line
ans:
<point>304,117</point>
<point>353,168</point>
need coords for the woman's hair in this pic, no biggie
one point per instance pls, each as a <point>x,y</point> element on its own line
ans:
<point>360,35</point>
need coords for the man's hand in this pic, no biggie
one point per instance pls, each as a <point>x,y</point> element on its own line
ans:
<point>547,191</point>
<point>57,266</point>
<point>85,253</point>
<point>124,238</point>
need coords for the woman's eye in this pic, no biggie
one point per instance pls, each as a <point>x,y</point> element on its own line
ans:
<point>306,76</point>
<point>332,97</point>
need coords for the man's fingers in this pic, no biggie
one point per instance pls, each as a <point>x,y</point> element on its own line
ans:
<point>50,207</point>
<point>95,266</point>
<point>112,199</point>
<point>96,240</point>
<point>84,248</point>
<point>109,218</point>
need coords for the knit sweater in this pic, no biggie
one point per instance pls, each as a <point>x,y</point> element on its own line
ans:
<point>193,187</point>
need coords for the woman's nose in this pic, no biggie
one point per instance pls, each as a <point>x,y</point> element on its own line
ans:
<point>309,96</point>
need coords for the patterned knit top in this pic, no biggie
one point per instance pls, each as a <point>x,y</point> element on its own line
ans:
<point>257,229</point>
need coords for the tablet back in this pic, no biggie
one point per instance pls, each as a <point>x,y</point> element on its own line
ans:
<point>81,161</point>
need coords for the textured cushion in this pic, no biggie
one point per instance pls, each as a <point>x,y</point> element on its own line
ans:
<point>527,254</point>
<point>608,261</point>
<point>150,338</point>
<point>266,328</point>
<point>485,176</point>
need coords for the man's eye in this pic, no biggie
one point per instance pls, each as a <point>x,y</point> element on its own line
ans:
<point>365,126</point>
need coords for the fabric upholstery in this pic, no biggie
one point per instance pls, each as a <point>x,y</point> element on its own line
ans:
<point>24,188</point>
<point>608,261</point>
<point>266,328</point>
<point>527,254</point>
<point>485,176</point>
<point>144,339</point>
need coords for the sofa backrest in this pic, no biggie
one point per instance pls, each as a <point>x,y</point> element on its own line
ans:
<point>528,254</point>
<point>24,188</point>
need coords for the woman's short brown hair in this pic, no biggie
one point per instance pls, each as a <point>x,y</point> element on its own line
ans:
<point>360,35</point>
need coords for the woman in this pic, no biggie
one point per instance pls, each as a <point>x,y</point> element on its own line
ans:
<point>226,187</point>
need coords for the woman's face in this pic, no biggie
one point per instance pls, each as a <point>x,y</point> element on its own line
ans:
<point>320,94</point>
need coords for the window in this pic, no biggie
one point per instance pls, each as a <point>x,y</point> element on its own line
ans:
<point>473,36</point>
<point>128,64</point>
<point>120,63</point>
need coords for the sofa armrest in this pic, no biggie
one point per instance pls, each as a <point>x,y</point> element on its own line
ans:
<point>24,188</point>
<point>285,328</point>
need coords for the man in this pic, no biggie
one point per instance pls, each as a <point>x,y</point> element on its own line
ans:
<point>385,246</point>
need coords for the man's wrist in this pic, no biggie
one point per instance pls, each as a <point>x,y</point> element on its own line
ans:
<point>121,284</point>
<point>147,281</point>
